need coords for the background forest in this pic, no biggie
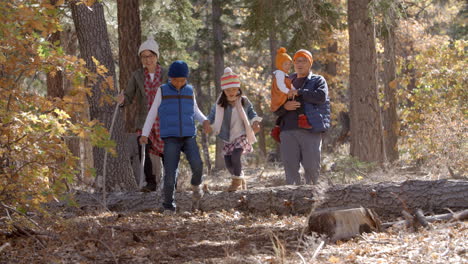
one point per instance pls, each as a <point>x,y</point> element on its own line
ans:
<point>396,70</point>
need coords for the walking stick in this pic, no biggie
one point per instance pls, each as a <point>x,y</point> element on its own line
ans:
<point>104,194</point>
<point>142,167</point>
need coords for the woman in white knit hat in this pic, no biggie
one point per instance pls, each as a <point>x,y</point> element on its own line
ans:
<point>142,88</point>
<point>235,122</point>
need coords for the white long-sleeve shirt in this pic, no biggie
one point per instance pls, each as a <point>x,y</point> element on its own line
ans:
<point>279,78</point>
<point>153,113</point>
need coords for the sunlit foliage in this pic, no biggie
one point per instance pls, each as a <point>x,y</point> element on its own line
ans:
<point>35,163</point>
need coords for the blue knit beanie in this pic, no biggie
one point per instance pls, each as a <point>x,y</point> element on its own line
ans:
<point>178,69</point>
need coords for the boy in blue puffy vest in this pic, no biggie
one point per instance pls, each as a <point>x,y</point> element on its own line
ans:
<point>177,109</point>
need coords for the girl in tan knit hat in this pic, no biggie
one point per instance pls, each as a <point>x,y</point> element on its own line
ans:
<point>235,122</point>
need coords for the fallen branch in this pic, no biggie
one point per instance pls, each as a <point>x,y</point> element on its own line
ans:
<point>28,233</point>
<point>459,216</point>
<point>422,219</point>
<point>316,252</point>
<point>18,212</point>
<point>7,244</point>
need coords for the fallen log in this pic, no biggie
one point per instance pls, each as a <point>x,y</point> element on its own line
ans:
<point>384,198</point>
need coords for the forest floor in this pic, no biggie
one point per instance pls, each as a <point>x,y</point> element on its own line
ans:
<point>227,236</point>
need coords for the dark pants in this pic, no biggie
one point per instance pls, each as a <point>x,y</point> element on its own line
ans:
<point>173,146</point>
<point>233,162</point>
<point>300,110</point>
<point>148,166</point>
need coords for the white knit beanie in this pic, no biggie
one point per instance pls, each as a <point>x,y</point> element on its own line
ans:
<point>149,44</point>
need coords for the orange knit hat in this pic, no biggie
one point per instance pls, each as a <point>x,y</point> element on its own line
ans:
<point>281,57</point>
<point>304,53</point>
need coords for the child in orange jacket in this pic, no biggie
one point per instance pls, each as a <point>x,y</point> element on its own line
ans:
<point>282,90</point>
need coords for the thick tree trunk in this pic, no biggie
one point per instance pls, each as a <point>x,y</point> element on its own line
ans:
<point>386,199</point>
<point>390,117</point>
<point>329,139</point>
<point>366,123</point>
<point>128,16</point>
<point>202,101</point>
<point>94,42</point>
<point>218,67</point>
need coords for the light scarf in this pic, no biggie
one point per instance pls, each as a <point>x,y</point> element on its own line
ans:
<point>219,116</point>
<point>151,88</point>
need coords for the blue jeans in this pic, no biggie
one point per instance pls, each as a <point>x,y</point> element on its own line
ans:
<point>172,148</point>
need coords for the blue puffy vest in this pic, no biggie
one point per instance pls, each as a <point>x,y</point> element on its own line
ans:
<point>176,115</point>
<point>318,115</point>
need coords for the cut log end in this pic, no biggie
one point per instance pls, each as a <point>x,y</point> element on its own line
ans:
<point>344,224</point>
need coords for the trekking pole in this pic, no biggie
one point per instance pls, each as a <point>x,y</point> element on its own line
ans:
<point>104,194</point>
<point>142,166</point>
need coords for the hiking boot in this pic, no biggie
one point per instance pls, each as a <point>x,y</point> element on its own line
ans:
<point>148,188</point>
<point>237,184</point>
<point>169,212</point>
<point>166,211</point>
<point>302,122</point>
<point>197,192</point>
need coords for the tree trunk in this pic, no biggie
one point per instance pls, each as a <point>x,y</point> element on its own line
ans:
<point>261,133</point>
<point>94,43</point>
<point>273,47</point>
<point>202,101</point>
<point>218,68</point>
<point>128,16</point>
<point>55,79</point>
<point>390,117</point>
<point>273,41</point>
<point>386,199</point>
<point>366,123</point>
<point>329,139</point>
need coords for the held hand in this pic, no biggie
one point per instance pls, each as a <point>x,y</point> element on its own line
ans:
<point>207,127</point>
<point>143,140</point>
<point>256,127</point>
<point>120,98</point>
<point>292,93</point>
<point>292,105</point>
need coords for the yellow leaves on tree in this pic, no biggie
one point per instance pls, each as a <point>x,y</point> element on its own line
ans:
<point>436,118</point>
<point>35,162</point>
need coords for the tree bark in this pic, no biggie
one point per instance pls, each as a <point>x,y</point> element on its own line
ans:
<point>261,133</point>
<point>366,123</point>
<point>94,42</point>
<point>390,117</point>
<point>202,100</point>
<point>218,67</point>
<point>55,79</point>
<point>273,41</point>
<point>128,16</point>
<point>386,199</point>
<point>329,139</point>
